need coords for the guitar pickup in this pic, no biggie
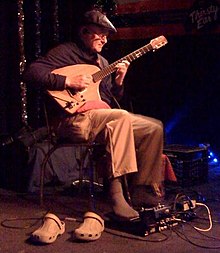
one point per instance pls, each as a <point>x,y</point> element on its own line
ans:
<point>69,105</point>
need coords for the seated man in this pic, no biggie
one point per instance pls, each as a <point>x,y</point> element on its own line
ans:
<point>133,142</point>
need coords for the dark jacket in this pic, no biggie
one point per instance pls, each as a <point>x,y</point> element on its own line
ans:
<point>39,75</point>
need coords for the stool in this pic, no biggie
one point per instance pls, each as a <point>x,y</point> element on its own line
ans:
<point>86,149</point>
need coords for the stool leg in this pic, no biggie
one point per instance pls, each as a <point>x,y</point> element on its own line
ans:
<point>42,184</point>
<point>81,156</point>
<point>42,172</point>
<point>91,180</point>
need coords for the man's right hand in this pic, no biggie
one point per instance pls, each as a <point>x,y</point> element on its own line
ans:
<point>78,83</point>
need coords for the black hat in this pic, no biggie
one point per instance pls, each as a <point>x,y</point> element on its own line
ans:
<point>99,19</point>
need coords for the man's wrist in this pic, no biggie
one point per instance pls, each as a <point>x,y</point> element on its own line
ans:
<point>119,82</point>
<point>67,83</point>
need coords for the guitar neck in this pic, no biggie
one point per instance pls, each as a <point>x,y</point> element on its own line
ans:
<point>130,57</point>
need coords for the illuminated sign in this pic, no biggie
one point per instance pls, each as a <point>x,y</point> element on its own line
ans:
<point>204,14</point>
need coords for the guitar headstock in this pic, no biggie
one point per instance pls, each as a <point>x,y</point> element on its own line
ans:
<point>158,42</point>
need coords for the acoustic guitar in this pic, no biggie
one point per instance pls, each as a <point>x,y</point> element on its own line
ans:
<point>71,101</point>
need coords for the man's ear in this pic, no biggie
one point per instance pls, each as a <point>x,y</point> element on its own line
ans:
<point>85,30</point>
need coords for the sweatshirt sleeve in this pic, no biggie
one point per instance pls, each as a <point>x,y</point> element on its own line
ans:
<point>39,73</point>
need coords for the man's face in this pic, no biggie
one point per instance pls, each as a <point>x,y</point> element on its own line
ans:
<point>95,38</point>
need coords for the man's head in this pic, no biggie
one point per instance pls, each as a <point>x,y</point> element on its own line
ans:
<point>94,30</point>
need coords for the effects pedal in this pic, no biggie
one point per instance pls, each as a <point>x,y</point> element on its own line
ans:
<point>161,211</point>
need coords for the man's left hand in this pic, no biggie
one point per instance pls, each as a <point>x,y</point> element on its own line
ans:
<point>121,71</point>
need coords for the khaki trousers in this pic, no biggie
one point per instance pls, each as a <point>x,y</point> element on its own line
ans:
<point>133,142</point>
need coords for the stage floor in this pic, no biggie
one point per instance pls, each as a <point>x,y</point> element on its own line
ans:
<point>20,215</point>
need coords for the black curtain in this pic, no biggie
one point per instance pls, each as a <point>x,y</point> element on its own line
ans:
<point>10,99</point>
<point>178,84</point>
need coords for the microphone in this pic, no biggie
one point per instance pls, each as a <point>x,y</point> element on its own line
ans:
<point>26,136</point>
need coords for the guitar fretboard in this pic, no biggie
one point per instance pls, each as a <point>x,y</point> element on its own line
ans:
<point>130,57</point>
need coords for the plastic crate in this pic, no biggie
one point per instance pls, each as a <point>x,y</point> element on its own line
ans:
<point>190,164</point>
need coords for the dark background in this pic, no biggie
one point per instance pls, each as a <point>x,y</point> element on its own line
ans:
<point>178,84</point>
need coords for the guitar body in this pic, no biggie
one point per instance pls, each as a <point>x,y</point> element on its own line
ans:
<point>72,101</point>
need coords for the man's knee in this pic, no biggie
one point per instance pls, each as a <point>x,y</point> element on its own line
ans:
<point>120,114</point>
<point>157,128</point>
<point>122,121</point>
<point>158,125</point>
